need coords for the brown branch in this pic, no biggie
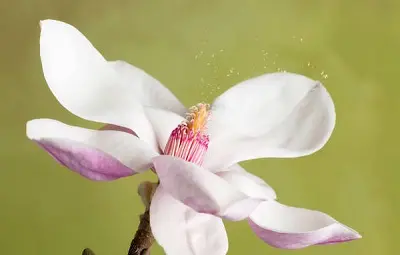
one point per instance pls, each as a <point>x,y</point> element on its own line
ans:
<point>144,238</point>
<point>88,251</point>
<point>142,241</point>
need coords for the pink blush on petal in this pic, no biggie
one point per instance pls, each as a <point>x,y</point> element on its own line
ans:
<point>328,235</point>
<point>339,240</point>
<point>50,152</point>
<point>88,162</point>
<point>199,205</point>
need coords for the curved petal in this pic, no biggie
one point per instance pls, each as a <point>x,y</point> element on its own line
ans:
<point>239,169</point>
<point>202,190</point>
<point>294,228</point>
<point>85,83</point>
<point>163,123</point>
<point>274,115</point>
<point>146,89</point>
<point>97,155</point>
<point>249,184</point>
<point>181,230</point>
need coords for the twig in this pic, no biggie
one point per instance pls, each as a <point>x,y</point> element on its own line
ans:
<point>144,238</point>
<point>88,251</point>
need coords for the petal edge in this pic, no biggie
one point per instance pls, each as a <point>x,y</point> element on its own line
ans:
<point>97,155</point>
<point>202,190</point>
<point>278,115</point>
<point>294,228</point>
<point>181,230</point>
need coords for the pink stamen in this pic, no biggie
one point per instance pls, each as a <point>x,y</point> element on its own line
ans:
<point>189,140</point>
<point>186,144</point>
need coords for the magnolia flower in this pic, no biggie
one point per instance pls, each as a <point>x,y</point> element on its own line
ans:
<point>279,115</point>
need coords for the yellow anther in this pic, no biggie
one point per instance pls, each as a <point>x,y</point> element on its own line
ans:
<point>198,116</point>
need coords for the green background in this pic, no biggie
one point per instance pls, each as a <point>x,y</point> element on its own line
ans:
<point>46,209</point>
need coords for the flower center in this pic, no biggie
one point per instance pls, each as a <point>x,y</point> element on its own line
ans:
<point>189,140</point>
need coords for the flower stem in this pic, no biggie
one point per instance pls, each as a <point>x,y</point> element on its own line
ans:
<point>144,238</point>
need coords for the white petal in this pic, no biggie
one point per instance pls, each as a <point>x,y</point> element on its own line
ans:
<point>147,90</point>
<point>202,190</point>
<point>163,123</point>
<point>294,228</point>
<point>274,115</point>
<point>249,184</point>
<point>85,83</point>
<point>239,169</point>
<point>97,155</point>
<point>181,230</point>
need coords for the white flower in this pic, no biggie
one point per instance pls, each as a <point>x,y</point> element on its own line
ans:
<point>275,115</point>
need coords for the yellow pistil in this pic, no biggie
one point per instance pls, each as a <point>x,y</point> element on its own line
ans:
<point>197,117</point>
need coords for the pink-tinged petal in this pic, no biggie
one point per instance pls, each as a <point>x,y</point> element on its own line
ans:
<point>275,115</point>
<point>97,155</point>
<point>163,123</point>
<point>85,83</point>
<point>88,162</point>
<point>202,190</point>
<point>294,228</point>
<point>147,90</point>
<point>249,184</point>
<point>181,230</point>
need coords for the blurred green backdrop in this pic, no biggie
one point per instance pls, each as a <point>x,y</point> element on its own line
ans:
<point>198,49</point>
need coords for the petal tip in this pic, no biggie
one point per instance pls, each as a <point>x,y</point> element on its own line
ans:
<point>357,236</point>
<point>34,128</point>
<point>353,234</point>
<point>29,128</point>
<point>51,27</point>
<point>295,228</point>
<point>344,234</point>
<point>45,22</point>
<point>41,23</point>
